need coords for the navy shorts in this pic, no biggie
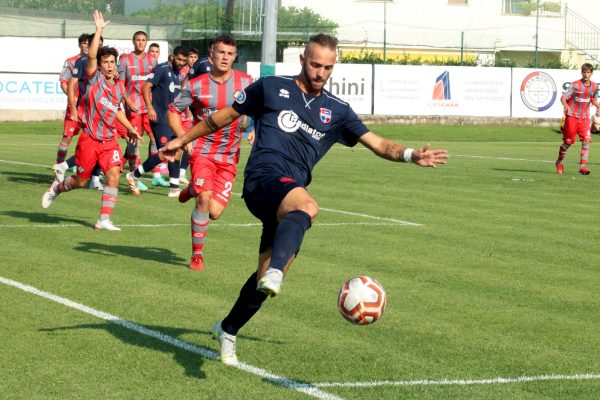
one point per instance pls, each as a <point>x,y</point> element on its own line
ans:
<point>263,194</point>
<point>162,133</point>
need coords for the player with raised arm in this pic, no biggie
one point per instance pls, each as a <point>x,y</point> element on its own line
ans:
<point>576,102</point>
<point>97,144</point>
<point>215,156</point>
<point>297,122</point>
<point>159,91</point>
<point>134,68</point>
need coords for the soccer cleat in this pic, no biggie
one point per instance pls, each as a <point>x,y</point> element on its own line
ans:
<point>184,195</point>
<point>174,192</point>
<point>270,283</point>
<point>96,185</point>
<point>105,224</point>
<point>183,180</point>
<point>160,181</point>
<point>132,181</point>
<point>197,262</point>
<point>584,171</point>
<point>59,172</point>
<point>227,341</point>
<point>559,168</point>
<point>141,186</point>
<point>50,195</point>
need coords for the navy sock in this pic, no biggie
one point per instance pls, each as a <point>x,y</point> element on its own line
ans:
<point>97,170</point>
<point>288,238</point>
<point>173,172</point>
<point>150,163</point>
<point>248,303</point>
<point>71,162</point>
<point>185,160</point>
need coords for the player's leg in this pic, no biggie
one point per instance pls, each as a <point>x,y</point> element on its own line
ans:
<point>569,133</point>
<point>585,137</point>
<point>111,162</point>
<point>70,129</point>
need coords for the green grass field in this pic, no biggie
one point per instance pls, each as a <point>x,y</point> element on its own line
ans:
<point>499,280</point>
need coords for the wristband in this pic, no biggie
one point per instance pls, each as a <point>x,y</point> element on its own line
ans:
<point>408,152</point>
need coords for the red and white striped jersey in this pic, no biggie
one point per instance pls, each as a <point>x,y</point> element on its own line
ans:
<point>206,96</point>
<point>134,71</point>
<point>66,72</point>
<point>579,96</point>
<point>100,105</point>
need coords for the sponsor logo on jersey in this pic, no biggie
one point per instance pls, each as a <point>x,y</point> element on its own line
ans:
<point>106,103</point>
<point>284,93</point>
<point>582,99</point>
<point>240,96</point>
<point>325,115</point>
<point>140,77</point>
<point>152,75</point>
<point>289,122</point>
<point>173,86</point>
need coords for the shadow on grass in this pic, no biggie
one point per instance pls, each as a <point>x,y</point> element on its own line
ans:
<point>30,178</point>
<point>164,256</point>
<point>156,338</point>
<point>44,218</point>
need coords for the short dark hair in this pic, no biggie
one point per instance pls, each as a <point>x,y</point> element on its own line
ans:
<point>324,40</point>
<point>91,37</point>
<point>588,67</point>
<point>140,33</point>
<point>83,38</point>
<point>180,50</point>
<point>225,39</point>
<point>106,51</point>
<point>154,45</point>
<point>193,50</point>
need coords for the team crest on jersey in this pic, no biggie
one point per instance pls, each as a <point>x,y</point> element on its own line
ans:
<point>239,96</point>
<point>199,182</point>
<point>75,71</point>
<point>325,115</point>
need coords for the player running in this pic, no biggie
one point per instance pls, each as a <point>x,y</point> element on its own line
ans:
<point>297,122</point>
<point>576,102</point>
<point>159,91</point>
<point>98,144</point>
<point>134,68</point>
<point>214,157</point>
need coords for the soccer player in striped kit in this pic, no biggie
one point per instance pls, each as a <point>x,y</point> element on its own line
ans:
<point>134,69</point>
<point>98,144</point>
<point>70,127</point>
<point>576,102</point>
<point>214,157</point>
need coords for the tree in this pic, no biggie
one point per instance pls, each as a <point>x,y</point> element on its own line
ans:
<point>108,7</point>
<point>303,22</point>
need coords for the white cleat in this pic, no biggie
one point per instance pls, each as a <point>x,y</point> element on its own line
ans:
<point>96,184</point>
<point>59,172</point>
<point>174,192</point>
<point>183,180</point>
<point>227,341</point>
<point>50,195</point>
<point>105,224</point>
<point>270,283</point>
<point>132,181</point>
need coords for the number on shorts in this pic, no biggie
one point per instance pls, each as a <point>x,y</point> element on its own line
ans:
<point>116,156</point>
<point>227,191</point>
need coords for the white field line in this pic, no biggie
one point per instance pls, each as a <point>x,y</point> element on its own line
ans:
<point>461,382</point>
<point>201,351</point>
<point>397,221</point>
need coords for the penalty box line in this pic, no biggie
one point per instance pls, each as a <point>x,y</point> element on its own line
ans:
<point>203,352</point>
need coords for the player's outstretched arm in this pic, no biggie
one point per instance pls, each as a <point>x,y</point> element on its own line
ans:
<point>95,44</point>
<point>393,151</point>
<point>210,124</point>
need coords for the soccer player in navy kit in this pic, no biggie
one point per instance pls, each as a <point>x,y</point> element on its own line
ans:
<point>297,121</point>
<point>160,89</point>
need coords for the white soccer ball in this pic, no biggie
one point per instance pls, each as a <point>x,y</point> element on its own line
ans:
<point>362,300</point>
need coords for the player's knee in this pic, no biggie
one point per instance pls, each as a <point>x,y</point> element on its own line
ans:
<point>311,208</point>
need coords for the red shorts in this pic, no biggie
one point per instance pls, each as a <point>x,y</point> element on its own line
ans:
<point>141,122</point>
<point>210,175</point>
<point>71,128</point>
<point>576,127</point>
<point>89,152</point>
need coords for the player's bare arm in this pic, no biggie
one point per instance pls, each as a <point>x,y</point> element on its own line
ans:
<point>93,47</point>
<point>393,151</point>
<point>212,123</point>
<point>146,94</point>
<point>132,133</point>
<point>71,88</point>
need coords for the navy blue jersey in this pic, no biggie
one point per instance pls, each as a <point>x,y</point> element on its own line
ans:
<point>201,66</point>
<point>294,129</point>
<point>79,73</point>
<point>166,85</point>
